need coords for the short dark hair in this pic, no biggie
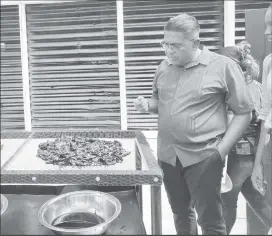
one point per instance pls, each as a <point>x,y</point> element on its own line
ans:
<point>184,23</point>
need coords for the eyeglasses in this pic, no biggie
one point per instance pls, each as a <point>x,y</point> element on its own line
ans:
<point>173,46</point>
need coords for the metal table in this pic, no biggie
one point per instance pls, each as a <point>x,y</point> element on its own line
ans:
<point>147,171</point>
<point>21,215</point>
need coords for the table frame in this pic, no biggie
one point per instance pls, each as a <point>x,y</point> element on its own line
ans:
<point>152,176</point>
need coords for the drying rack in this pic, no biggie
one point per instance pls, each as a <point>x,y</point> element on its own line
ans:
<point>147,171</point>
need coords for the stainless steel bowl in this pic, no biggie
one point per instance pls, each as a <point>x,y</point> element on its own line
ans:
<point>78,203</point>
<point>4,204</point>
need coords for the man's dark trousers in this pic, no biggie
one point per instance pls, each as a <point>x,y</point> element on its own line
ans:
<point>197,186</point>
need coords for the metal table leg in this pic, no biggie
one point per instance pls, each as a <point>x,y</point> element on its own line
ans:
<point>156,215</point>
<point>139,190</point>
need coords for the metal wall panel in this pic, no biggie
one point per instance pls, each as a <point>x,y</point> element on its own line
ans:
<point>12,104</point>
<point>73,57</point>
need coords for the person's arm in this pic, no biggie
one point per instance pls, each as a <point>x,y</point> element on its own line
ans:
<point>150,105</point>
<point>257,177</point>
<point>239,102</point>
<point>261,146</point>
<point>264,111</point>
<point>153,102</point>
<point>265,96</point>
<point>153,105</point>
<point>234,133</point>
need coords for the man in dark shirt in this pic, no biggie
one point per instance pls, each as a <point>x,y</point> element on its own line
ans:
<point>191,91</point>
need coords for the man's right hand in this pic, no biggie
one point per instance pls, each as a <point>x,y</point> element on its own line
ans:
<point>141,104</point>
<point>257,178</point>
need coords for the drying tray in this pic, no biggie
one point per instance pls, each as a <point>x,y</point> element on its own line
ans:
<point>12,142</point>
<point>139,168</point>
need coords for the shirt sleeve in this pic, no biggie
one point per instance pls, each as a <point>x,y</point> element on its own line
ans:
<point>265,97</point>
<point>255,91</point>
<point>237,98</point>
<point>155,94</point>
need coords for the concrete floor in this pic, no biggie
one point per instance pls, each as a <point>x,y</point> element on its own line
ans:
<point>167,218</point>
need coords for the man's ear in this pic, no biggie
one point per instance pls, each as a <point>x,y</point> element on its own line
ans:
<point>196,44</point>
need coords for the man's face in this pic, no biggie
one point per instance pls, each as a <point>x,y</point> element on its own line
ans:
<point>268,24</point>
<point>178,48</point>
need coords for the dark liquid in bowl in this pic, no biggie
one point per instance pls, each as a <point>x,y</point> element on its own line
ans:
<point>77,220</point>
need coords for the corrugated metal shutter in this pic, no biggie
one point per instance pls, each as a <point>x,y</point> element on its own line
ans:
<point>73,56</point>
<point>143,23</point>
<point>240,7</point>
<point>12,105</point>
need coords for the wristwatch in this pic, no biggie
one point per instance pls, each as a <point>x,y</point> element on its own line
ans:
<point>243,147</point>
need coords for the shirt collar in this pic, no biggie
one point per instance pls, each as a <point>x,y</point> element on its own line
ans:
<point>204,58</point>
